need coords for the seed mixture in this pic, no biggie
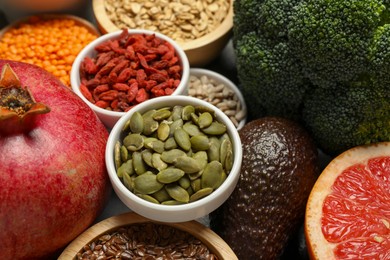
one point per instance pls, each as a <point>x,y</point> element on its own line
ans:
<point>146,241</point>
<point>48,43</point>
<point>218,94</point>
<point>182,20</point>
<point>129,70</point>
<point>174,155</point>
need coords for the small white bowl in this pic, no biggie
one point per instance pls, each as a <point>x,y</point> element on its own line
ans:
<point>174,213</point>
<point>109,118</point>
<point>219,78</point>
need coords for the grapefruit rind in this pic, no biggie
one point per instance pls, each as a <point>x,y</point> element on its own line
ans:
<point>318,246</point>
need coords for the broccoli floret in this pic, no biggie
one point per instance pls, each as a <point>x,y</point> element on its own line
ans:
<point>338,49</point>
<point>277,76</point>
<point>270,75</point>
<point>332,38</point>
<point>349,115</point>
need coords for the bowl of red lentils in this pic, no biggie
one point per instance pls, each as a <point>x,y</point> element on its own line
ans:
<point>201,27</point>
<point>50,41</point>
<point>131,236</point>
<point>122,69</point>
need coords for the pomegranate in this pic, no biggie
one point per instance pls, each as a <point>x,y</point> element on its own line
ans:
<point>53,179</point>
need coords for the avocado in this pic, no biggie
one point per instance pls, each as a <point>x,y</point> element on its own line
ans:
<point>279,167</point>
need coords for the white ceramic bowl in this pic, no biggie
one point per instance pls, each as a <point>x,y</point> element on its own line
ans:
<point>174,213</point>
<point>109,118</point>
<point>221,79</point>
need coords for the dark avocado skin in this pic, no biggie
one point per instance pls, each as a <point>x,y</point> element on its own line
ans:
<point>280,165</point>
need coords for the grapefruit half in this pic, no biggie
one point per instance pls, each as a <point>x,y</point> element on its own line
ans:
<point>348,210</point>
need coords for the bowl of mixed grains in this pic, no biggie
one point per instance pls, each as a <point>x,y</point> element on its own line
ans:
<point>201,27</point>
<point>131,236</point>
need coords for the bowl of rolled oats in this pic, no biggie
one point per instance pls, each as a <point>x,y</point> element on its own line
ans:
<point>201,27</point>
<point>131,236</point>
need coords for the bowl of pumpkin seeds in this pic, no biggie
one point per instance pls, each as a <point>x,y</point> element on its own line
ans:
<point>174,158</point>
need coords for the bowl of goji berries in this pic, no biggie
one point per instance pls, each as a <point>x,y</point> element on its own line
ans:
<point>122,69</point>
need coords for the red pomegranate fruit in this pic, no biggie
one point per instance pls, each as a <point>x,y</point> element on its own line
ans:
<point>53,179</point>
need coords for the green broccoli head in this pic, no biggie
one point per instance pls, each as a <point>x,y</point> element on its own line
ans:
<point>332,38</point>
<point>337,49</point>
<point>348,115</point>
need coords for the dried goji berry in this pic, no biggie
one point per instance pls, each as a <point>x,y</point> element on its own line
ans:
<point>102,104</point>
<point>125,75</point>
<point>142,95</point>
<point>84,90</point>
<point>108,95</point>
<point>121,87</point>
<point>89,65</point>
<point>132,92</point>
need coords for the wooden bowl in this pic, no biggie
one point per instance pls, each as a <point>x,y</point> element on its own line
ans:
<point>210,239</point>
<point>200,51</point>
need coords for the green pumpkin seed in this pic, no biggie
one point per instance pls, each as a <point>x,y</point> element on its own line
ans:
<point>158,163</point>
<point>147,157</point>
<point>172,202</point>
<point>212,175</point>
<point>147,183</point>
<point>189,190</point>
<point>177,192</point>
<point>150,125</point>
<point>213,152</point>
<point>182,139</point>
<point>136,123</point>
<point>176,112</point>
<point>200,142</point>
<point>196,175</point>
<point>226,146</point>
<point>185,182</point>
<point>148,198</point>
<point>170,143</point>
<point>125,168</point>
<point>203,109</point>
<point>175,125</point>
<point>205,119</point>
<point>133,142</point>
<point>194,118</point>
<point>161,195</point>
<point>187,164</point>
<point>126,126</point>
<point>117,155</point>
<point>128,181</point>
<point>156,145</point>
<point>216,128</point>
<point>163,131</point>
<point>124,153</point>
<point>201,194</point>
<point>171,155</point>
<point>229,160</point>
<point>202,158</point>
<point>191,129</point>
<point>196,185</point>
<point>187,111</point>
<point>169,175</point>
<point>162,114</point>
<point>138,163</point>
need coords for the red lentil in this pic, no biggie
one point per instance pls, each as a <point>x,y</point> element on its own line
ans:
<point>52,44</point>
<point>129,70</point>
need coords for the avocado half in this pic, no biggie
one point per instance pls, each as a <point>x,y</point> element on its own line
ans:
<point>279,168</point>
